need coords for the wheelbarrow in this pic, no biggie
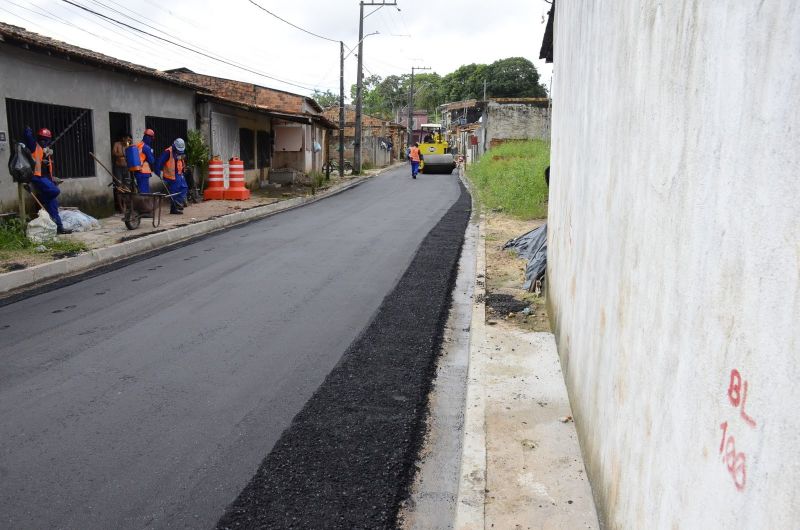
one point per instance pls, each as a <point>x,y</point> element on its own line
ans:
<point>136,206</point>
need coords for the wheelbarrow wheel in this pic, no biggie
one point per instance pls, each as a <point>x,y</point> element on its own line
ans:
<point>132,218</point>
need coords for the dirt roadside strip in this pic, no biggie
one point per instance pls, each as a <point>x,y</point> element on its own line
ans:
<point>14,283</point>
<point>521,464</point>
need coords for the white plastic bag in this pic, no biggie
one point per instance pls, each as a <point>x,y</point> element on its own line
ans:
<point>77,221</point>
<point>41,229</point>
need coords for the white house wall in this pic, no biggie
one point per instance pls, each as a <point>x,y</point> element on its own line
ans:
<point>674,256</point>
<point>36,77</point>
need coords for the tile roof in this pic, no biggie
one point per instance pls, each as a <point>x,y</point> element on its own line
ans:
<point>17,36</point>
<point>248,93</point>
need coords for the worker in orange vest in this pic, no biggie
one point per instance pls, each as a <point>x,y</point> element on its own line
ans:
<point>414,157</point>
<point>170,167</point>
<point>44,179</point>
<point>148,161</point>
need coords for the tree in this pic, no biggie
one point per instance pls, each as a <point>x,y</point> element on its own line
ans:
<point>514,77</point>
<point>326,99</point>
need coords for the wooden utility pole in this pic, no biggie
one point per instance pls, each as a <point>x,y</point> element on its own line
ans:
<point>21,199</point>
<point>341,109</point>
<point>411,103</point>
<point>360,80</point>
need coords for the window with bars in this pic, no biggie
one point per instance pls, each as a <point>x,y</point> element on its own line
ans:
<point>71,153</point>
<point>263,149</point>
<point>167,130</point>
<point>247,148</point>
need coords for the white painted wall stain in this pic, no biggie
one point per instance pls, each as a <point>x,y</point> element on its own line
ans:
<point>674,256</point>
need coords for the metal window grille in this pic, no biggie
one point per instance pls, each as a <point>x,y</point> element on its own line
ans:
<point>167,130</point>
<point>263,148</point>
<point>247,148</point>
<point>71,154</point>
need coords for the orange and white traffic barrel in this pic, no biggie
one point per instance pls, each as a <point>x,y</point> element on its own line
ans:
<point>215,189</point>
<point>236,190</point>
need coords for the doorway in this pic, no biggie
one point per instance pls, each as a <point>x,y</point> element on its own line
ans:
<point>119,125</point>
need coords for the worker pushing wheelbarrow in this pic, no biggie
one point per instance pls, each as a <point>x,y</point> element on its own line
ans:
<point>136,203</point>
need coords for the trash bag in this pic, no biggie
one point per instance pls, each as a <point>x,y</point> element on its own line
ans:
<point>41,229</point>
<point>533,247</point>
<point>20,164</point>
<point>77,221</point>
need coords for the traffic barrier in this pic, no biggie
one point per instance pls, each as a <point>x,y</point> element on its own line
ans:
<point>236,190</point>
<point>215,189</point>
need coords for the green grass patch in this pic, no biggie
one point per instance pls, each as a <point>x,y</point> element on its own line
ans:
<point>510,177</point>
<point>13,238</point>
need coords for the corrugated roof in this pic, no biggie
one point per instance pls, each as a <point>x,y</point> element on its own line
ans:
<point>21,37</point>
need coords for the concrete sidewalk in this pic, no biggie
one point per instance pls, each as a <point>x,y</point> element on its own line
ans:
<point>113,242</point>
<point>521,465</point>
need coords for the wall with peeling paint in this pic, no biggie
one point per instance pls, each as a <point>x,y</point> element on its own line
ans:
<point>674,243</point>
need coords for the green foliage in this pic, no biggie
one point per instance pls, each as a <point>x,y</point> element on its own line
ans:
<point>12,235</point>
<point>197,151</point>
<point>12,238</point>
<point>511,77</point>
<point>511,177</point>
<point>326,98</point>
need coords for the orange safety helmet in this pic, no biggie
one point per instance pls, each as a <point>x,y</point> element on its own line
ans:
<point>44,133</point>
<point>149,132</point>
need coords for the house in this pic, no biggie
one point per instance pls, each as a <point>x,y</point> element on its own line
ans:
<point>418,117</point>
<point>376,136</point>
<point>92,99</point>
<point>475,126</point>
<point>277,134</point>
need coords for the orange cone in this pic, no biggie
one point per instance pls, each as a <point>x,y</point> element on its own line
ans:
<point>236,190</point>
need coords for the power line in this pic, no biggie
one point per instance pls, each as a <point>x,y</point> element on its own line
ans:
<point>293,25</point>
<point>224,61</point>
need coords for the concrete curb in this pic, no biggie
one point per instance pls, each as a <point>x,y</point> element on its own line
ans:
<point>38,275</point>
<point>472,479</point>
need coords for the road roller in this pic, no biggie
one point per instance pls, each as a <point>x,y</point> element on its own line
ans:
<point>434,150</point>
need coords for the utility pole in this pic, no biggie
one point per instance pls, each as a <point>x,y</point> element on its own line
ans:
<point>411,103</point>
<point>359,80</point>
<point>341,109</point>
<point>484,89</point>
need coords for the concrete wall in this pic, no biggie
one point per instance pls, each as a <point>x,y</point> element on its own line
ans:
<point>37,77</point>
<point>674,256</point>
<point>242,119</point>
<point>515,121</point>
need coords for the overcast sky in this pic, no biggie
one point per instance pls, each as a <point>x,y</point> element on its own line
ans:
<point>441,34</point>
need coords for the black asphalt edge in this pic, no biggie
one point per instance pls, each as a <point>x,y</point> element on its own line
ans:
<point>52,285</point>
<point>348,458</point>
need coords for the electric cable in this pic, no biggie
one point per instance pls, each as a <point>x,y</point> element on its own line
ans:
<point>293,25</point>
<point>224,61</point>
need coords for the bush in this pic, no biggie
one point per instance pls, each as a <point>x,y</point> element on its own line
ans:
<point>197,151</point>
<point>511,177</point>
<point>12,235</point>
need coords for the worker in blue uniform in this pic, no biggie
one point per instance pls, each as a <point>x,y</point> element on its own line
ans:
<point>44,179</point>
<point>147,161</point>
<point>170,166</point>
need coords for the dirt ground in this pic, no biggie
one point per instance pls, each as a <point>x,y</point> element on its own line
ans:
<point>505,276</point>
<point>112,229</point>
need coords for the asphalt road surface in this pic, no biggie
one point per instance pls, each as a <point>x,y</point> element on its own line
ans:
<point>148,396</point>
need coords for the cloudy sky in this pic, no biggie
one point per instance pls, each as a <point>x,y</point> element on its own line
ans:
<point>441,34</point>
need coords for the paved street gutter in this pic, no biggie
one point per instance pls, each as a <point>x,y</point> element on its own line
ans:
<point>19,284</point>
<point>348,458</point>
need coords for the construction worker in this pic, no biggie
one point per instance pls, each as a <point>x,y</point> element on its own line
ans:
<point>170,167</point>
<point>44,179</point>
<point>148,161</point>
<point>120,168</point>
<point>414,157</point>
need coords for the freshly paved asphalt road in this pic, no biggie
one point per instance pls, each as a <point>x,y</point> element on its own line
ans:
<point>149,395</point>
